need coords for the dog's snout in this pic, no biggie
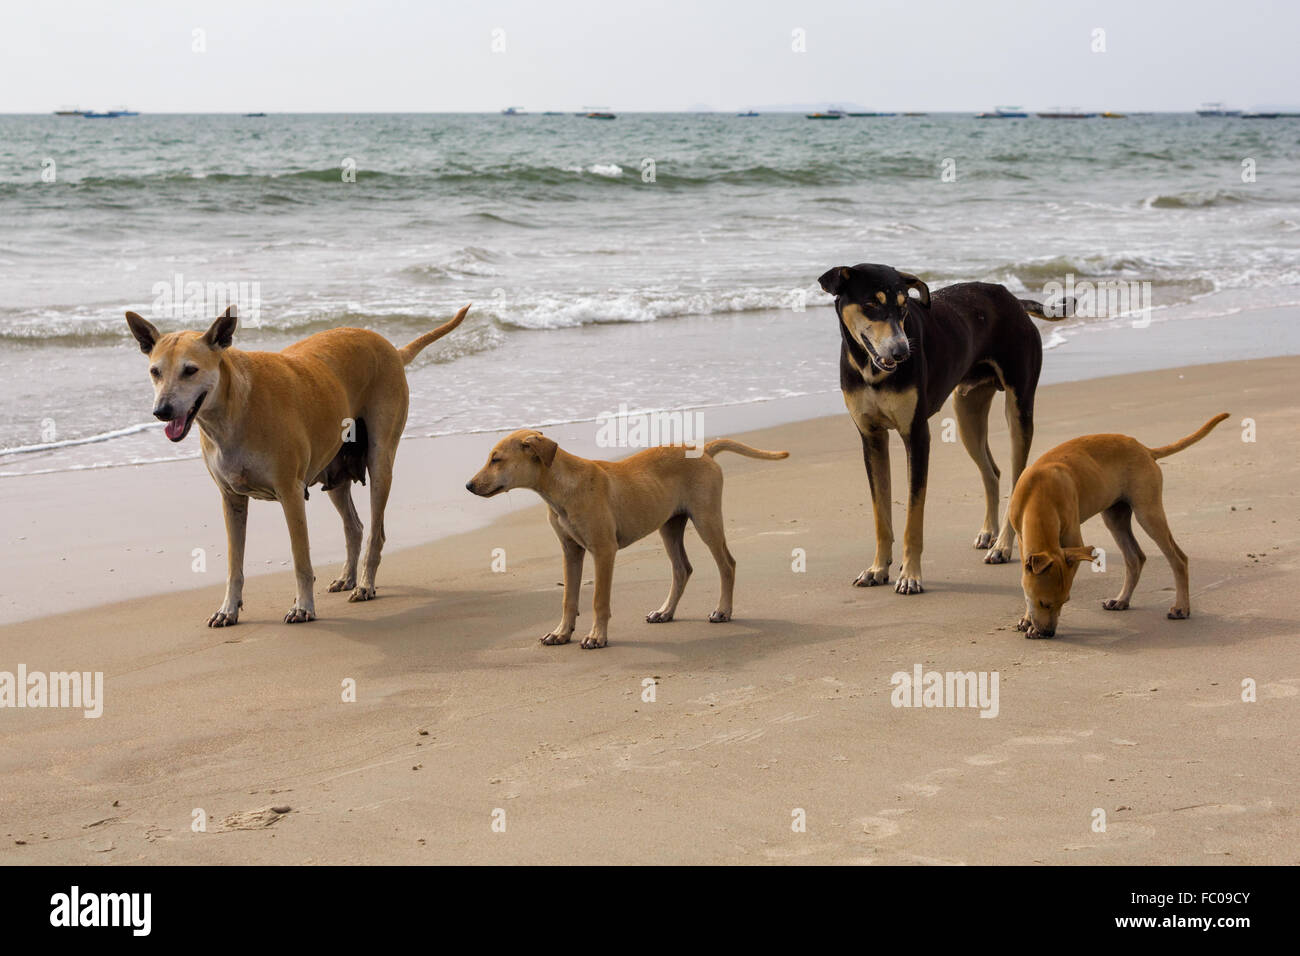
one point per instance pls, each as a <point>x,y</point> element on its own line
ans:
<point>469,485</point>
<point>164,412</point>
<point>897,351</point>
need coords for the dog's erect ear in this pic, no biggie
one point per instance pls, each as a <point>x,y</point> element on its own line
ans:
<point>922,290</point>
<point>222,331</point>
<point>143,330</point>
<point>832,280</point>
<point>541,448</point>
<point>1038,563</point>
<point>1075,556</point>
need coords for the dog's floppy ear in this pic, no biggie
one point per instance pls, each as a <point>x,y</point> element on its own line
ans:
<point>144,331</point>
<point>541,448</point>
<point>222,331</point>
<point>922,290</point>
<point>1038,563</point>
<point>832,280</point>
<point>1075,556</point>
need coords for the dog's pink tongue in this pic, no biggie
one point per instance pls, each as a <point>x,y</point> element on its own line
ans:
<point>175,428</point>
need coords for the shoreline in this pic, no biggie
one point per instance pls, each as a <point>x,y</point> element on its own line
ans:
<point>51,562</point>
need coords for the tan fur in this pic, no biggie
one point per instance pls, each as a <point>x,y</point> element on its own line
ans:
<point>1111,474</point>
<point>603,506</point>
<point>272,423</point>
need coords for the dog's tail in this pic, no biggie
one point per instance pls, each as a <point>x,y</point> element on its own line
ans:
<point>1055,312</point>
<point>408,352</point>
<point>1166,450</point>
<point>740,448</point>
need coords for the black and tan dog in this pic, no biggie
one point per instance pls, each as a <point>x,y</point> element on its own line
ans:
<point>900,359</point>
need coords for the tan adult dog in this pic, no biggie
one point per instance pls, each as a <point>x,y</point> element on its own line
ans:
<point>1112,474</point>
<point>328,409</point>
<point>603,506</point>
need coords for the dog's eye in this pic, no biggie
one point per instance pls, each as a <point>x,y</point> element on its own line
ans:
<point>154,372</point>
<point>494,460</point>
<point>1045,605</point>
<point>189,370</point>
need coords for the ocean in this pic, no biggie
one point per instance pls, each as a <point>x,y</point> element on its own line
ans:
<point>658,261</point>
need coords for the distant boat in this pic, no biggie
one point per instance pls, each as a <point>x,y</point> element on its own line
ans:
<point>254,114</point>
<point>916,114</point>
<point>1109,115</point>
<point>110,114</point>
<point>600,115</point>
<point>1003,112</point>
<point>70,111</point>
<point>1216,109</point>
<point>871,114</point>
<point>513,111</point>
<point>1065,114</point>
<point>747,113</point>
<point>829,114</point>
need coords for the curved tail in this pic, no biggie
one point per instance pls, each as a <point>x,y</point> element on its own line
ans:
<point>1166,450</point>
<point>1052,313</point>
<point>740,448</point>
<point>411,350</point>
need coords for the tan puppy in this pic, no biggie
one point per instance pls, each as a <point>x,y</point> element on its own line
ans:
<point>328,409</point>
<point>602,506</point>
<point>1112,474</point>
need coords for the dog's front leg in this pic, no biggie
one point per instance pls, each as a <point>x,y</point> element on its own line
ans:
<point>295,516</point>
<point>917,443</point>
<point>236,513</point>
<point>604,558</point>
<point>574,554</point>
<point>875,454</point>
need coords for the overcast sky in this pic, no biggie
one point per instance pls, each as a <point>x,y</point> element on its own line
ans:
<point>435,56</point>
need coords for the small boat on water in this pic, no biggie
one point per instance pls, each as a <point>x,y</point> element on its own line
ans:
<point>1111,115</point>
<point>70,111</point>
<point>600,115</point>
<point>1057,113</point>
<point>747,113</point>
<point>1216,109</point>
<point>254,114</point>
<point>1003,112</point>
<point>110,114</point>
<point>830,114</point>
<point>513,111</point>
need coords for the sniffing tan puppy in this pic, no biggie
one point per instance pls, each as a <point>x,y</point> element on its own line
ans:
<point>327,410</point>
<point>603,506</point>
<point>1112,474</point>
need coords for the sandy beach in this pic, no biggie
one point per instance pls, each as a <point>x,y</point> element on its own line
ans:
<point>461,719</point>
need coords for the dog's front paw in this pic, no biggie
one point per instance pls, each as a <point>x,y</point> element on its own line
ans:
<point>342,584</point>
<point>997,555</point>
<point>984,540</point>
<point>1178,614</point>
<point>224,619</point>
<point>909,584</point>
<point>555,638</point>
<point>871,577</point>
<point>594,640</point>
<point>659,617</point>
<point>719,617</point>
<point>361,594</point>
<point>1023,624</point>
<point>299,615</point>
<point>1115,604</point>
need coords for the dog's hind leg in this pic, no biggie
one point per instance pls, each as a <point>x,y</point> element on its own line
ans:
<point>1151,516</point>
<point>709,526</point>
<point>295,516</point>
<point>235,508</point>
<point>875,455</point>
<point>1119,519</point>
<point>1020,422</point>
<point>973,425</point>
<point>673,532</point>
<point>379,464</point>
<point>341,495</point>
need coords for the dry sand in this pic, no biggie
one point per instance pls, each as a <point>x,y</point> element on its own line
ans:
<point>460,713</point>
